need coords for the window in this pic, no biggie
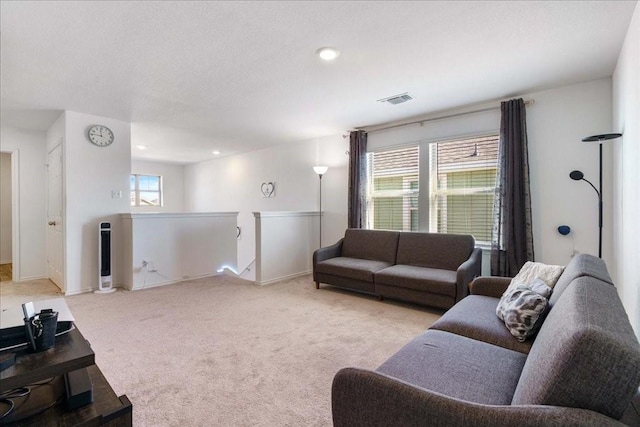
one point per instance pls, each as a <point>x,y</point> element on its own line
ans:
<point>392,196</point>
<point>462,184</point>
<point>146,190</point>
<point>460,177</point>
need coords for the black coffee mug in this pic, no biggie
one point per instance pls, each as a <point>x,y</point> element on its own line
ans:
<point>44,329</point>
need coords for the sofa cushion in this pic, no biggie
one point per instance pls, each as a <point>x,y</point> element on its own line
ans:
<point>586,354</point>
<point>580,265</point>
<point>522,310</point>
<point>434,250</point>
<point>457,366</point>
<point>475,317</point>
<point>374,245</point>
<point>419,278</point>
<point>352,268</point>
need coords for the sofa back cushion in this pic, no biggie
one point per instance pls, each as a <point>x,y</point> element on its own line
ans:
<point>586,354</point>
<point>377,245</point>
<point>580,265</point>
<point>434,250</point>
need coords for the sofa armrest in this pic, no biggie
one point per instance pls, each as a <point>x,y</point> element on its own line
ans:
<point>326,253</point>
<point>467,271</point>
<point>490,286</point>
<point>367,398</point>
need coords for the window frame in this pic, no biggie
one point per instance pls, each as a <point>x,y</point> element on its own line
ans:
<point>426,208</point>
<point>435,192</point>
<point>407,193</point>
<point>136,191</point>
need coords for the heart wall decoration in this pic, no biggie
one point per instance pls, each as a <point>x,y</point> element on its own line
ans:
<point>268,189</point>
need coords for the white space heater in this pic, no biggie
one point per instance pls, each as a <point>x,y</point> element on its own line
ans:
<point>105,275</point>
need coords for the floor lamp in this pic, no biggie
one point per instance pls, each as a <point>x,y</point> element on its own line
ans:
<point>320,170</point>
<point>579,176</point>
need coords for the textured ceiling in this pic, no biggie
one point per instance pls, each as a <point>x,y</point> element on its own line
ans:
<point>192,77</point>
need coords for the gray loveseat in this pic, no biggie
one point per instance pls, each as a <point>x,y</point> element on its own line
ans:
<point>425,268</point>
<point>582,368</point>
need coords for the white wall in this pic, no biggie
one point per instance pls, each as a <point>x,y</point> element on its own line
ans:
<point>233,184</point>
<point>556,123</point>
<point>285,242</point>
<point>626,173</point>
<point>5,208</point>
<point>91,174</point>
<point>176,247</point>
<point>31,149</point>
<point>172,185</point>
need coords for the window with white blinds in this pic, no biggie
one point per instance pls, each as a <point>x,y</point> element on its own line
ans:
<point>392,196</point>
<point>462,177</point>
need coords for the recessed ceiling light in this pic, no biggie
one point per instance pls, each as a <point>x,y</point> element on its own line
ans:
<point>328,53</point>
<point>141,147</point>
<point>216,152</point>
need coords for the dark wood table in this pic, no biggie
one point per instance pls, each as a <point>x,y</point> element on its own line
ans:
<point>44,373</point>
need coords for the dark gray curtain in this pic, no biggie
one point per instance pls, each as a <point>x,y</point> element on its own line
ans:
<point>357,178</point>
<point>512,236</point>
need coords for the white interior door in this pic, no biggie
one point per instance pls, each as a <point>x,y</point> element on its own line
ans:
<point>55,254</point>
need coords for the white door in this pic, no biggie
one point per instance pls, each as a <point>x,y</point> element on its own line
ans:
<point>55,255</point>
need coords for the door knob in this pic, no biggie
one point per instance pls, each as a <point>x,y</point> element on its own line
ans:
<point>52,223</point>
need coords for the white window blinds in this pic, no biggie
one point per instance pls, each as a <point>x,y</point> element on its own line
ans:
<point>392,202</point>
<point>462,185</point>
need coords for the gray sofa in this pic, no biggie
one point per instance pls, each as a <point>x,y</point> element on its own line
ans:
<point>425,268</point>
<point>582,368</point>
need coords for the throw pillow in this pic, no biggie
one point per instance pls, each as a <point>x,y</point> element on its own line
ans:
<point>522,311</point>
<point>537,270</point>
<point>540,287</point>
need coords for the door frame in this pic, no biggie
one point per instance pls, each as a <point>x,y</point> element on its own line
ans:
<point>15,212</point>
<point>60,143</point>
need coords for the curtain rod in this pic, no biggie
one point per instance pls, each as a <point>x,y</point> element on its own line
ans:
<point>431,119</point>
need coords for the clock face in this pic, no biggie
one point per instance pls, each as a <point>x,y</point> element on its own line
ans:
<point>100,135</point>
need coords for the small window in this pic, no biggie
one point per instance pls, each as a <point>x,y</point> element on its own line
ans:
<point>146,190</point>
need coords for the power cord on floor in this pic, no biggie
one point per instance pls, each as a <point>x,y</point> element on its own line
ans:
<point>149,267</point>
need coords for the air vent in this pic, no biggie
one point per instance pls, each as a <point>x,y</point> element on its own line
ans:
<point>397,99</point>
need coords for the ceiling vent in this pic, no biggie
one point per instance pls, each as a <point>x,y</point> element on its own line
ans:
<point>397,99</point>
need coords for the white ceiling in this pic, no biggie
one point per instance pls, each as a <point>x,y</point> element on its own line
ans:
<point>192,77</point>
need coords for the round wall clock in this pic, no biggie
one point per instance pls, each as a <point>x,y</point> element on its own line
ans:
<point>100,135</point>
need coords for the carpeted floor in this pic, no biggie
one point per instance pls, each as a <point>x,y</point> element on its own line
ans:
<point>224,352</point>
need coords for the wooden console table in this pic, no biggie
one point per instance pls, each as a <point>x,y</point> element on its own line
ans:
<point>71,352</point>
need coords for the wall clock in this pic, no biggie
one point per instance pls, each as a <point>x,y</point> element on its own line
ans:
<point>100,135</point>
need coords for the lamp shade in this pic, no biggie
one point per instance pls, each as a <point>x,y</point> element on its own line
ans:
<point>320,170</point>
<point>601,137</point>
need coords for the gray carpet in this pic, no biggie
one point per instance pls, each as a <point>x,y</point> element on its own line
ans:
<point>223,351</point>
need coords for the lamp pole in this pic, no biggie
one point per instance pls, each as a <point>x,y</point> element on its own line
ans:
<point>320,175</point>
<point>600,206</point>
<point>320,170</point>
<point>579,176</point>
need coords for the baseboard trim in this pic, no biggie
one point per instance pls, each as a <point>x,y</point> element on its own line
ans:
<point>170,282</point>
<point>282,278</point>
<point>28,279</point>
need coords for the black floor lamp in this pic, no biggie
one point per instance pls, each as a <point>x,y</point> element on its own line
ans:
<point>320,170</point>
<point>579,176</point>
